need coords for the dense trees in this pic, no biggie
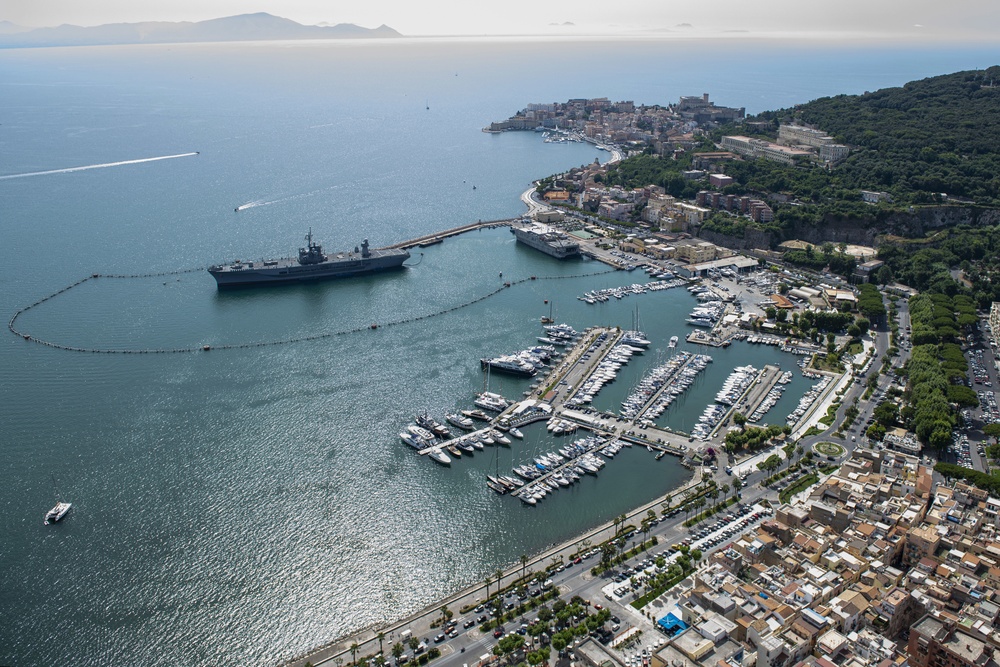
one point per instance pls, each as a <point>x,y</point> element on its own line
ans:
<point>870,303</point>
<point>937,370</point>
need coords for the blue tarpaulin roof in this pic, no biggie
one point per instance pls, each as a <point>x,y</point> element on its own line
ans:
<point>673,625</point>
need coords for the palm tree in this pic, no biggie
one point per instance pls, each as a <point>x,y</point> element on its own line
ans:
<point>524,566</point>
<point>488,580</point>
<point>397,650</point>
<point>445,613</point>
<point>354,654</point>
<point>380,638</point>
<point>414,643</point>
<point>725,492</point>
<point>499,578</point>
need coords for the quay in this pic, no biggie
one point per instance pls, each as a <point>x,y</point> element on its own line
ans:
<point>758,391</point>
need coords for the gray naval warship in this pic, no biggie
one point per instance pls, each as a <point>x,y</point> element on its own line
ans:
<point>310,265</point>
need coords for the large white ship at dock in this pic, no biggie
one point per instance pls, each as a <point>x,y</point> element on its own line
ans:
<point>545,238</point>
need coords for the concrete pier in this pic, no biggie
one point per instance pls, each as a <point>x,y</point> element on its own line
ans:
<point>436,237</point>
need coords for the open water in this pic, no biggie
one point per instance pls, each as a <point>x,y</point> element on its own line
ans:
<point>242,506</point>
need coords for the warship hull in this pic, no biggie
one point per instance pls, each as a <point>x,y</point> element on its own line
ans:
<point>291,270</point>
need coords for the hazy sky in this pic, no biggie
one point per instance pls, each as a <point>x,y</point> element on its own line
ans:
<point>913,19</point>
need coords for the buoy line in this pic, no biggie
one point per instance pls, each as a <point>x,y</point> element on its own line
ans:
<point>11,325</point>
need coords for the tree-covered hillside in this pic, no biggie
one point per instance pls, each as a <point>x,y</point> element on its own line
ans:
<point>939,136</point>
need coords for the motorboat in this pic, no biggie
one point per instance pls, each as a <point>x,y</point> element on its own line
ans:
<point>439,456</point>
<point>461,421</point>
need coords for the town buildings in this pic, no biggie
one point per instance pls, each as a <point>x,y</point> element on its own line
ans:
<point>877,566</point>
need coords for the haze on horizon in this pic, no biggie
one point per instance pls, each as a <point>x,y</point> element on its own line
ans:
<point>909,20</point>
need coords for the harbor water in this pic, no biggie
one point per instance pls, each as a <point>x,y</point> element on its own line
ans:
<point>241,506</point>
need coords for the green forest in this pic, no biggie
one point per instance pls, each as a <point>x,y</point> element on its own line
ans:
<point>927,142</point>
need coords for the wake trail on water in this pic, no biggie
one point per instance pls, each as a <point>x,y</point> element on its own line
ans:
<point>279,200</point>
<point>69,170</point>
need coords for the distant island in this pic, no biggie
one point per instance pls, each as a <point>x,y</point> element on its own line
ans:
<point>244,27</point>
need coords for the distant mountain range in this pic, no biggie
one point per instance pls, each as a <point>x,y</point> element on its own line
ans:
<point>245,27</point>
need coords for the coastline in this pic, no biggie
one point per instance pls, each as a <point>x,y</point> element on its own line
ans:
<point>341,647</point>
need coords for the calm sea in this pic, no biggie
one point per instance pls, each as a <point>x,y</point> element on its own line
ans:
<point>243,506</point>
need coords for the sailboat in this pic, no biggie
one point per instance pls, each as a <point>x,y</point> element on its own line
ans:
<point>59,511</point>
<point>493,481</point>
<point>489,400</point>
<point>548,320</point>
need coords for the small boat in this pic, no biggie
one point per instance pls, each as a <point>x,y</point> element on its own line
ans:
<point>500,437</point>
<point>411,440</point>
<point>57,512</point>
<point>514,431</point>
<point>499,488</point>
<point>461,421</point>
<point>465,446</point>
<point>476,414</point>
<point>476,442</point>
<point>420,432</point>
<point>439,456</point>
<point>454,451</point>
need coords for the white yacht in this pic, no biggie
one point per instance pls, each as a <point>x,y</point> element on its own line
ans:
<point>440,456</point>
<point>461,421</point>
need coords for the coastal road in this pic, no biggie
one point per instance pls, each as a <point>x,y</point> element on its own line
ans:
<point>529,197</point>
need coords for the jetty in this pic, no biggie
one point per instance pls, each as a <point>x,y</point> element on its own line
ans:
<point>439,236</point>
<point>751,397</point>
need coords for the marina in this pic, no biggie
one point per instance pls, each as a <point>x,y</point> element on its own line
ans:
<point>560,399</point>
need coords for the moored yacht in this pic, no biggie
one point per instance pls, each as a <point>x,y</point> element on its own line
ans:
<point>439,456</point>
<point>461,421</point>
